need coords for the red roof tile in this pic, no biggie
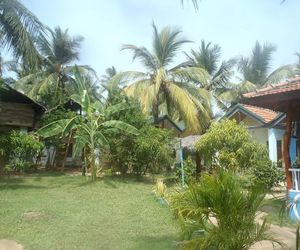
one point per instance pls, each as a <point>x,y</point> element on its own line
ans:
<point>287,86</point>
<point>266,115</point>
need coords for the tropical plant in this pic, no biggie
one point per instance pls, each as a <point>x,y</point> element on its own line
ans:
<point>189,170</point>
<point>52,84</point>
<point>19,150</point>
<point>163,89</point>
<point>255,71</point>
<point>90,128</point>
<point>160,188</point>
<point>218,213</point>
<point>56,142</point>
<point>109,74</point>
<point>19,30</point>
<point>207,57</point>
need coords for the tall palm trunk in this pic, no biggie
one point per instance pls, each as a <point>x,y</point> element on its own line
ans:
<point>155,113</point>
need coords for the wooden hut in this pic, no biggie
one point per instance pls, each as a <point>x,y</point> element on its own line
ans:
<point>18,111</point>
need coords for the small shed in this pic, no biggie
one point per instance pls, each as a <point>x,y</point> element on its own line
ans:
<point>18,111</point>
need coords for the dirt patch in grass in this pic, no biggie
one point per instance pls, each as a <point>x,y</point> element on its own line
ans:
<point>10,245</point>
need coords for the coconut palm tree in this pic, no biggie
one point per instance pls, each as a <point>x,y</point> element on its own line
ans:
<point>255,72</point>
<point>109,73</point>
<point>255,68</point>
<point>164,88</point>
<point>52,83</point>
<point>19,30</point>
<point>207,57</point>
<point>89,129</point>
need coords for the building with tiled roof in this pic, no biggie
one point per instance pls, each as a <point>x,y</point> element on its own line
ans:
<point>265,125</point>
<point>283,97</point>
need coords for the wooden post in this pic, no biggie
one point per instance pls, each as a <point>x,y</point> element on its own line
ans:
<point>286,148</point>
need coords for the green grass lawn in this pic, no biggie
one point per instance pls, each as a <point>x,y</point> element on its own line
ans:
<point>75,214</point>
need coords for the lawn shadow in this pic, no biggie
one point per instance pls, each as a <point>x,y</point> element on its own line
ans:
<point>14,186</point>
<point>156,242</point>
<point>110,183</point>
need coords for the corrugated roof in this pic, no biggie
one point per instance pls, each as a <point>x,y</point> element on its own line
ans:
<point>189,141</point>
<point>287,86</point>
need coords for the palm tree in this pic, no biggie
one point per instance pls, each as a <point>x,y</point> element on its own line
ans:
<point>166,89</point>
<point>255,72</point>
<point>207,57</point>
<point>218,213</point>
<point>19,30</point>
<point>54,78</point>
<point>109,73</point>
<point>89,129</point>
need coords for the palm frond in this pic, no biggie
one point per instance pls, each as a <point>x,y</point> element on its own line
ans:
<point>185,106</point>
<point>166,43</point>
<point>191,74</point>
<point>141,53</point>
<point>20,28</point>
<point>281,74</point>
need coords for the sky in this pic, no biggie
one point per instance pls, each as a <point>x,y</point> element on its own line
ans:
<point>233,24</point>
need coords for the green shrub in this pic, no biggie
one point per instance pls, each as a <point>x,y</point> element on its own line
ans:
<point>228,145</point>
<point>189,169</point>
<point>150,151</point>
<point>153,151</point>
<point>267,174</point>
<point>19,150</point>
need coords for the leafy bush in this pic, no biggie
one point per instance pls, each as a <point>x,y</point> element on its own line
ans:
<point>150,151</point>
<point>122,153</point>
<point>189,168</point>
<point>229,146</point>
<point>220,206</point>
<point>267,174</point>
<point>19,150</point>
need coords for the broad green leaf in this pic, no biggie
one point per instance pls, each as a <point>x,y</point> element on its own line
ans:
<point>53,128</point>
<point>121,126</point>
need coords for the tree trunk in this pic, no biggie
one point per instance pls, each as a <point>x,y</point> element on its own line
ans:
<point>155,113</point>
<point>198,165</point>
<point>67,149</point>
<point>286,149</point>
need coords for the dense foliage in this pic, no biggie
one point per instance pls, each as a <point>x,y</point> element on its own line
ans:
<point>153,151</point>
<point>189,168</point>
<point>150,151</point>
<point>89,129</point>
<point>218,213</point>
<point>19,150</point>
<point>229,146</point>
<point>57,142</point>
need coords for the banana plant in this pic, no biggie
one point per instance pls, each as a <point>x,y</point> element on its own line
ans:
<point>90,127</point>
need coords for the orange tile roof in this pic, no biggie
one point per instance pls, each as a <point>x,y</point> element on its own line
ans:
<point>266,115</point>
<point>287,86</point>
